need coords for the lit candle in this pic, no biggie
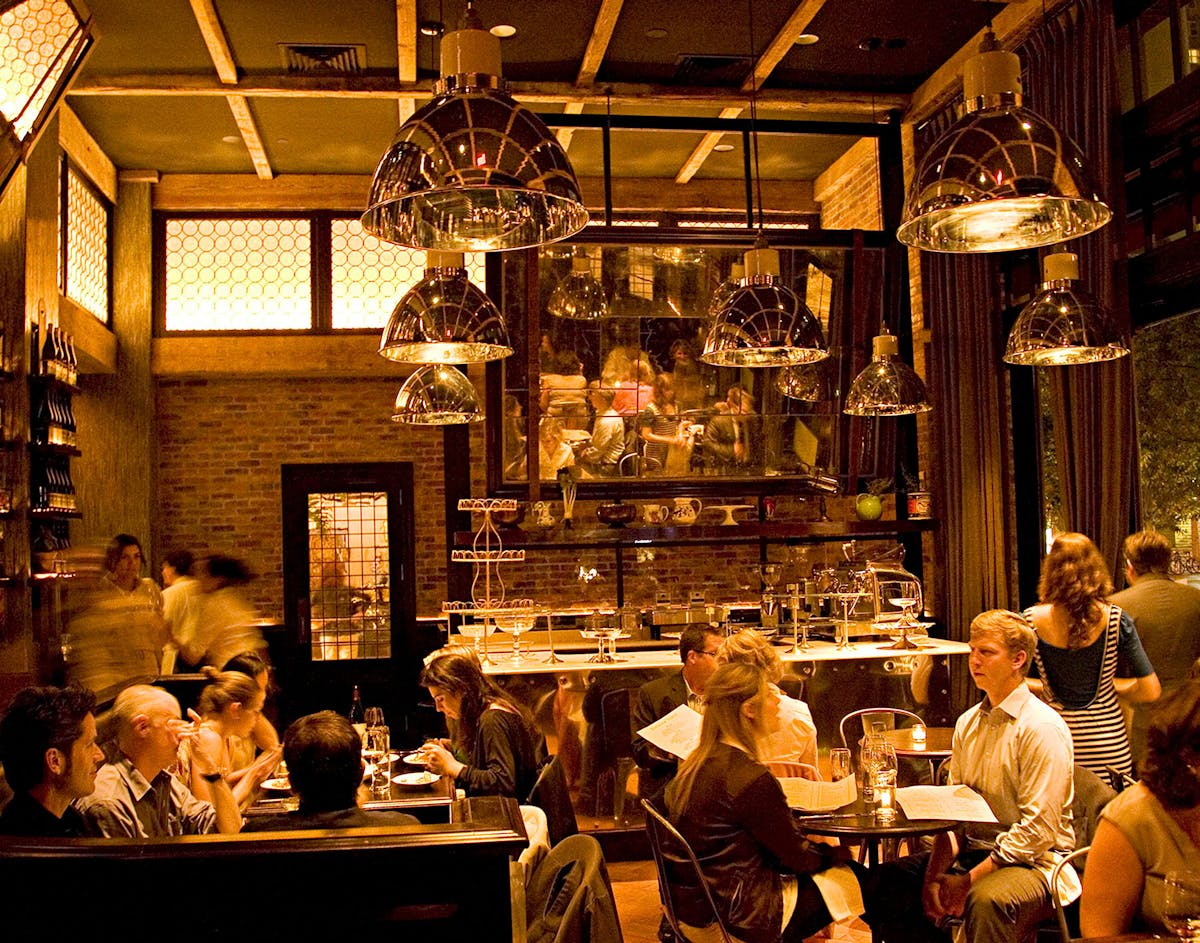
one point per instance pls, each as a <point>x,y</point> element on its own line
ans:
<point>918,733</point>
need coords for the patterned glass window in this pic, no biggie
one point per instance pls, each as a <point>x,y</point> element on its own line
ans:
<point>239,275</point>
<point>348,575</point>
<point>370,276</point>
<point>38,39</point>
<point>86,261</point>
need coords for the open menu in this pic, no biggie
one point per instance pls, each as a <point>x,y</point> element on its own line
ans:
<point>810,795</point>
<point>955,803</point>
<point>678,733</point>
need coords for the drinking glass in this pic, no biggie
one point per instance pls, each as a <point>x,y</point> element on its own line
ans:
<point>875,754</point>
<point>839,763</point>
<point>377,749</point>
<point>1181,904</point>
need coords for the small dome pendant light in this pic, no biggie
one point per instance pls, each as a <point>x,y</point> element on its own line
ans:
<point>887,386</point>
<point>1064,324</point>
<point>579,296</point>
<point>436,395</point>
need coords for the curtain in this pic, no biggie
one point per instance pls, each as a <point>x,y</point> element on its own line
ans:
<point>1071,80</point>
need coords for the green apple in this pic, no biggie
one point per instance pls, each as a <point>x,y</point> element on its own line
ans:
<point>868,507</point>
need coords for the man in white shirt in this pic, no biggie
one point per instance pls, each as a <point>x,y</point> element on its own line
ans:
<point>1016,752</point>
<point>602,454</point>
<point>181,603</point>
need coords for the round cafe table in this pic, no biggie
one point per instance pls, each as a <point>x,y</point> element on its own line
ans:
<point>937,746</point>
<point>858,822</point>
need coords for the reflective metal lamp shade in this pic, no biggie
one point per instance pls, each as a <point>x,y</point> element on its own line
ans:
<point>1001,177</point>
<point>445,319</point>
<point>473,169</point>
<point>764,323</point>
<point>1064,324</point>
<point>887,386</point>
<point>807,382</point>
<point>436,395</point>
<point>579,296</point>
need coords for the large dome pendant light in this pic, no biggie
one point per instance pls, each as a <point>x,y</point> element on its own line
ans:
<point>887,386</point>
<point>473,170</point>
<point>1002,177</point>
<point>579,296</point>
<point>445,319</point>
<point>1064,324</point>
<point>762,323</point>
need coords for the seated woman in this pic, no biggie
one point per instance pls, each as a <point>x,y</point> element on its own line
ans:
<point>497,751</point>
<point>229,705</point>
<point>796,739</point>
<point>732,812</point>
<point>263,737</point>
<point>1149,829</point>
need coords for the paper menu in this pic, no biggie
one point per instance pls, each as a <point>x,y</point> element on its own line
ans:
<point>956,803</point>
<point>810,795</point>
<point>678,733</point>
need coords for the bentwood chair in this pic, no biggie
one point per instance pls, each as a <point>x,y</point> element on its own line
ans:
<point>869,719</point>
<point>673,857</point>
<point>1064,914</point>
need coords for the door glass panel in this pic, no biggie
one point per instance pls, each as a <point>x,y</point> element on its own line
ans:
<point>348,575</point>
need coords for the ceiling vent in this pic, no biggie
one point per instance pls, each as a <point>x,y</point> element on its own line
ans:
<point>694,69</point>
<point>305,59</point>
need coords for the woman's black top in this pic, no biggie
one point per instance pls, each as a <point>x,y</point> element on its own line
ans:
<point>505,756</point>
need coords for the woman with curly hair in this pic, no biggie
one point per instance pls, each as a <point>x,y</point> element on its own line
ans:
<point>1151,828</point>
<point>1088,652</point>
<point>496,749</point>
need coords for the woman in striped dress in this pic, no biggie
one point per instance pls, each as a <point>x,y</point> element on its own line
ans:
<point>1088,653</point>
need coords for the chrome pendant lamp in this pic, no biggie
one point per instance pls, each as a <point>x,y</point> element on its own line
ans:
<point>808,382</point>
<point>1002,177</point>
<point>473,170</point>
<point>1064,324</point>
<point>579,296</point>
<point>720,297</point>
<point>436,395</point>
<point>445,319</point>
<point>887,386</point>
<point>763,323</point>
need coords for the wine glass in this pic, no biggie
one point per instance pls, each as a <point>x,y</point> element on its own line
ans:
<point>875,754</point>
<point>377,752</point>
<point>515,624</point>
<point>839,763</point>
<point>1181,904</point>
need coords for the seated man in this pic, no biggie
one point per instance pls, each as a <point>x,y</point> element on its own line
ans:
<point>602,455</point>
<point>48,748</point>
<point>137,796</point>
<point>698,647</point>
<point>1016,752</point>
<point>323,753</point>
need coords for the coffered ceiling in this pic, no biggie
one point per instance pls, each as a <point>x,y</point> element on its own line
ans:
<point>237,87</point>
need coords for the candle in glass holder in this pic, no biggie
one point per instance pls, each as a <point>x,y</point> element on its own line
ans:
<point>885,793</point>
<point>918,733</point>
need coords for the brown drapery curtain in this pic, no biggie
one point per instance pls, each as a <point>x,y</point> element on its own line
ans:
<point>1070,78</point>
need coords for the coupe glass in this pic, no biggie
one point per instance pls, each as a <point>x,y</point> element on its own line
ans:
<point>476,631</point>
<point>515,624</point>
<point>1181,904</point>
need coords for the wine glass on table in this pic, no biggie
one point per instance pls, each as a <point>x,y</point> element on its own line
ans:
<point>1181,904</point>
<point>839,763</point>
<point>377,753</point>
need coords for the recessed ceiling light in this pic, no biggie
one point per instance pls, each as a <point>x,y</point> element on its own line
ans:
<point>503,30</point>
<point>432,28</point>
<point>656,32</point>
<point>807,39</point>
<point>232,139</point>
<point>722,147</point>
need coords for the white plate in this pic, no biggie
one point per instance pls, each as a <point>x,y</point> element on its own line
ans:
<point>277,785</point>
<point>414,780</point>
<point>414,759</point>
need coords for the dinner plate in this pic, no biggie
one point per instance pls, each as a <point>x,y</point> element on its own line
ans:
<point>414,759</point>
<point>414,780</point>
<point>279,784</point>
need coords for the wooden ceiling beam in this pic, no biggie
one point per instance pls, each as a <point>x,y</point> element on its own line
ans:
<point>593,56</point>
<point>811,102</point>
<point>221,54</point>
<point>406,53</point>
<point>776,49</point>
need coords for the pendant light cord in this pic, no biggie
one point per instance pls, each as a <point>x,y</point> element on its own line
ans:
<point>754,115</point>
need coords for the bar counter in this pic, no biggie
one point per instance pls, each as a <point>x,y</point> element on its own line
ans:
<point>534,661</point>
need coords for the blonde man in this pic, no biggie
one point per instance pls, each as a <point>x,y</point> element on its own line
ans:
<point>137,796</point>
<point>795,741</point>
<point>1015,751</point>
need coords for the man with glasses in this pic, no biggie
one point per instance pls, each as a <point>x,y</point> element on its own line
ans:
<point>698,646</point>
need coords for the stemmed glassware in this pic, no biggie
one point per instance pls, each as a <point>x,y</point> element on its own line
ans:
<point>907,621</point>
<point>1181,904</point>
<point>377,752</point>
<point>799,618</point>
<point>839,763</point>
<point>479,632</point>
<point>846,594</point>
<point>516,623</point>
<point>875,755</point>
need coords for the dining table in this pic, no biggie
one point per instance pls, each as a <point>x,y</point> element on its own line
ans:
<point>937,745</point>
<point>859,822</point>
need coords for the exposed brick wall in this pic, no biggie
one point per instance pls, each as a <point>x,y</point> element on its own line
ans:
<point>848,190</point>
<point>221,443</point>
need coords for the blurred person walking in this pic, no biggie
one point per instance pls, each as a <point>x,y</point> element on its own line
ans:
<point>227,624</point>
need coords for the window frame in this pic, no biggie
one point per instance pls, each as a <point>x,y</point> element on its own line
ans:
<point>67,164</point>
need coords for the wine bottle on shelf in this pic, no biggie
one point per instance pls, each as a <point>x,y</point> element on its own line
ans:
<point>72,361</point>
<point>48,357</point>
<point>69,487</point>
<point>72,429</point>
<point>34,350</point>
<point>41,421</point>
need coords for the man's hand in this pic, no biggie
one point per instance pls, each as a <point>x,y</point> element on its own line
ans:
<point>262,768</point>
